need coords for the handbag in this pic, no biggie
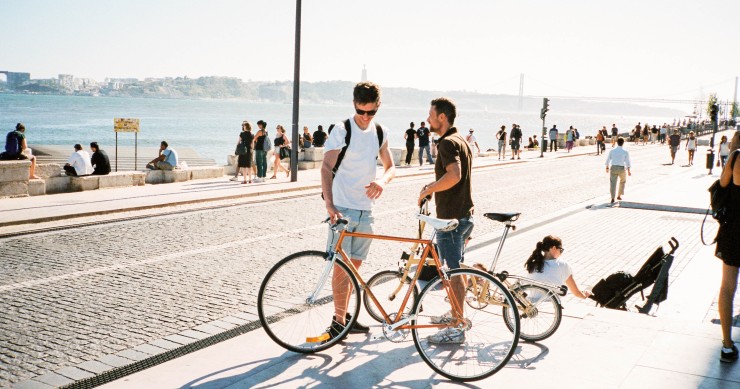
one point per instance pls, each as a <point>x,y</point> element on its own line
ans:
<point>284,153</point>
<point>241,149</point>
<point>266,144</point>
<point>719,197</point>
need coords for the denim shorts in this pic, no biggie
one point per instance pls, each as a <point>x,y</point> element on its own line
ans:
<point>359,221</point>
<point>451,244</point>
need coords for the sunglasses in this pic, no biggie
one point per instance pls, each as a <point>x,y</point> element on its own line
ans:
<point>368,113</point>
<point>562,250</point>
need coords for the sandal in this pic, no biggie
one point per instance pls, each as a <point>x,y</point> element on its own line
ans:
<point>273,177</point>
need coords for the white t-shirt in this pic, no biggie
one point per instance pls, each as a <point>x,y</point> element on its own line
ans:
<point>471,139</point>
<point>359,166</point>
<point>555,271</point>
<point>80,160</point>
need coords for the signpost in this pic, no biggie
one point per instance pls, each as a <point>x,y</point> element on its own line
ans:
<point>127,125</point>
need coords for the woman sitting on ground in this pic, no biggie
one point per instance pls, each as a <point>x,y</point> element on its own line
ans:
<point>530,145</point>
<point>545,266</point>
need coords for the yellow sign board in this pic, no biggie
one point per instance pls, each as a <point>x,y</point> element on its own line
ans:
<point>125,125</point>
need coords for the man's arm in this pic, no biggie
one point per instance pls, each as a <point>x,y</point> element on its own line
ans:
<point>375,188</point>
<point>327,178</point>
<point>451,177</point>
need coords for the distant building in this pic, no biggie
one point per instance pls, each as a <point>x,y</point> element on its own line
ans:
<point>66,81</point>
<point>364,74</point>
<point>16,80</point>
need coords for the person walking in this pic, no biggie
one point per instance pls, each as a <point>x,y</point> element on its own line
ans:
<point>244,163</point>
<point>410,135</point>
<point>570,137</point>
<point>599,141</point>
<point>728,250</point>
<point>261,145</point>
<point>282,150</point>
<point>691,147</point>
<point>663,133</point>
<point>619,160</point>
<point>615,134</point>
<point>471,140</point>
<point>554,138</point>
<point>674,141</point>
<point>350,191</point>
<point>516,141</point>
<point>423,134</point>
<point>453,198</point>
<point>501,136</point>
<point>724,150</point>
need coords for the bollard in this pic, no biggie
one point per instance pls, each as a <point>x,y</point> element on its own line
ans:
<point>710,160</point>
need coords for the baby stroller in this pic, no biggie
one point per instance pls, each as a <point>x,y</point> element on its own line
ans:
<point>615,290</point>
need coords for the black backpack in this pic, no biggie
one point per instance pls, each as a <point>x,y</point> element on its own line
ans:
<point>12,144</point>
<point>606,289</point>
<point>348,128</point>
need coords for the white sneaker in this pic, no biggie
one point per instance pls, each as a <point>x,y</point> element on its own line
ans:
<point>447,336</point>
<point>259,179</point>
<point>234,179</point>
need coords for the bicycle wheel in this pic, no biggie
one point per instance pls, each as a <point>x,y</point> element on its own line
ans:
<point>296,304</point>
<point>486,344</point>
<point>540,312</point>
<point>389,289</point>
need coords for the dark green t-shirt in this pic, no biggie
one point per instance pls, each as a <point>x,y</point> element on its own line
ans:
<point>456,202</point>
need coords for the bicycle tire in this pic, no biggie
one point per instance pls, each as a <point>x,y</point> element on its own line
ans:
<point>283,309</point>
<point>383,284</point>
<point>488,344</point>
<point>539,320</point>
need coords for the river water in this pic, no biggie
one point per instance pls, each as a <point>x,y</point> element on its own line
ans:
<point>211,127</point>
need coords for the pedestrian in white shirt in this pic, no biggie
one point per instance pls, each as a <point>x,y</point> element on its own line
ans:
<point>472,141</point>
<point>619,160</point>
<point>79,163</point>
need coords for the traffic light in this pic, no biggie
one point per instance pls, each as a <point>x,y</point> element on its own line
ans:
<point>713,111</point>
<point>545,108</point>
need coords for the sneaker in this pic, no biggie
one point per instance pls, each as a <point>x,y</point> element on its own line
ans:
<point>447,336</point>
<point>357,328</point>
<point>728,356</point>
<point>334,329</point>
<point>443,319</point>
<point>234,179</point>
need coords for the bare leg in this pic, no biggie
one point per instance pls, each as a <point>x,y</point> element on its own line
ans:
<point>458,288</point>
<point>32,174</point>
<point>726,296</point>
<point>342,290</point>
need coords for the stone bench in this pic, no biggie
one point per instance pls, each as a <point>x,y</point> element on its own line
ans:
<point>14,180</point>
<point>112,180</point>
<point>181,175</point>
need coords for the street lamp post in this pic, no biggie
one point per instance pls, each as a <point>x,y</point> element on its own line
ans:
<point>296,94</point>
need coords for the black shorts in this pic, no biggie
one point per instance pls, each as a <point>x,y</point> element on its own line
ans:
<point>728,245</point>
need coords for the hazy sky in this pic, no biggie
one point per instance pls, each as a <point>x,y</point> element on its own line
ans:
<point>627,48</point>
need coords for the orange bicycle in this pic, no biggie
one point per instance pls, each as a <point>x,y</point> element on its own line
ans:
<point>296,304</point>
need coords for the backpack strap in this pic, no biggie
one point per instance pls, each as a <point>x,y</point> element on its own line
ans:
<point>348,137</point>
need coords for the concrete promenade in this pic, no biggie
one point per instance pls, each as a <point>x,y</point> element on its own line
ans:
<point>593,348</point>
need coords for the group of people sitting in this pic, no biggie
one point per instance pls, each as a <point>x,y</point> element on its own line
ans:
<point>80,163</point>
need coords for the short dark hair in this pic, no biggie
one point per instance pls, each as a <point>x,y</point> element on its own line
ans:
<point>94,145</point>
<point>164,143</point>
<point>78,146</point>
<point>620,141</point>
<point>411,124</point>
<point>20,127</point>
<point>321,128</point>
<point>447,107</point>
<point>262,122</point>
<point>366,92</point>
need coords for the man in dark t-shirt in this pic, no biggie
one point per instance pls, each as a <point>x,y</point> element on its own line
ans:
<point>452,192</point>
<point>674,141</point>
<point>319,137</point>
<point>423,134</point>
<point>410,135</point>
<point>99,160</point>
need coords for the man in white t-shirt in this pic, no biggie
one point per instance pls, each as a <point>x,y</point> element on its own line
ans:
<point>79,163</point>
<point>350,191</point>
<point>472,141</point>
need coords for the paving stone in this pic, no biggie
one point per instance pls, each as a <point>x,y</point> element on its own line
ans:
<point>94,367</point>
<point>179,339</point>
<point>209,329</point>
<point>149,349</point>
<point>74,373</point>
<point>133,355</point>
<point>224,325</point>
<point>165,344</point>
<point>33,384</point>
<point>194,334</point>
<point>234,320</point>
<point>53,379</point>
<point>115,360</point>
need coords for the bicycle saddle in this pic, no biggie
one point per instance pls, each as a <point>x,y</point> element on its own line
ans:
<point>503,217</point>
<point>442,225</point>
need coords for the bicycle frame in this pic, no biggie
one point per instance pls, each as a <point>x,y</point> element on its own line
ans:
<point>398,323</point>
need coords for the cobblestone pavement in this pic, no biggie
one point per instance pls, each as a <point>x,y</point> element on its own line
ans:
<point>72,296</point>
